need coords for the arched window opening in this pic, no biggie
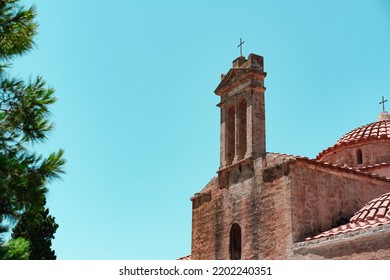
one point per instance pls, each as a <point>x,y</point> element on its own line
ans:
<point>230,133</point>
<point>359,156</point>
<point>235,242</point>
<point>242,129</point>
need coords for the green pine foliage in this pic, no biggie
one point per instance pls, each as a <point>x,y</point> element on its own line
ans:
<point>15,249</point>
<point>17,28</point>
<point>37,226</point>
<point>24,120</point>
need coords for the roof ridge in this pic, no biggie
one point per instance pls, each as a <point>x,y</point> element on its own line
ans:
<point>282,154</point>
<point>357,171</point>
<point>350,227</point>
<point>375,165</point>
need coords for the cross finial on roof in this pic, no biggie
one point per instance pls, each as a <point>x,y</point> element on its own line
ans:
<point>383,103</point>
<point>240,46</point>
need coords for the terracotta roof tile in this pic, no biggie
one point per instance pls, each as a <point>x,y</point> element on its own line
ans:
<point>373,214</point>
<point>385,203</point>
<point>377,204</point>
<point>381,212</point>
<point>362,216</point>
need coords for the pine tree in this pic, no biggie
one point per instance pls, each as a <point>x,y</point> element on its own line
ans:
<point>24,120</point>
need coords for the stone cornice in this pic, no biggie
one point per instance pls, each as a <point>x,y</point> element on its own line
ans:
<point>225,86</point>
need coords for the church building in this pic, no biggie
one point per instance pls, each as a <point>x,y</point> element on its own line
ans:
<point>275,206</point>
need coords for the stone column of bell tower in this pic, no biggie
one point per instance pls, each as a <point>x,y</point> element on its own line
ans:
<point>242,112</point>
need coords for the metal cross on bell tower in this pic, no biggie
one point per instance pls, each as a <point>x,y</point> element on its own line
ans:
<point>240,46</point>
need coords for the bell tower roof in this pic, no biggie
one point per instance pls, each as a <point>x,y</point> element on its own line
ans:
<point>243,69</point>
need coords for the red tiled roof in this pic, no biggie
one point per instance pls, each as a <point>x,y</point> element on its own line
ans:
<point>379,130</point>
<point>185,258</point>
<point>374,213</point>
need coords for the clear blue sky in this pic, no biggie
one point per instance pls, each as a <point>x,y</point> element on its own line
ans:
<point>136,110</point>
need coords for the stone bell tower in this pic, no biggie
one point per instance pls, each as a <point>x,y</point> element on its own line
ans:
<point>227,213</point>
<point>242,114</point>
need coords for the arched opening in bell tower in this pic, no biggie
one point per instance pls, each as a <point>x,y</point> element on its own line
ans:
<point>230,132</point>
<point>242,130</point>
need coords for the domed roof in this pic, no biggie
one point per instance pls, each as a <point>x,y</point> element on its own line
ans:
<point>379,130</point>
<point>375,130</point>
<point>374,213</point>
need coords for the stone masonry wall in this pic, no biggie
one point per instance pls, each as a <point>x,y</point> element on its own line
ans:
<point>236,202</point>
<point>275,223</point>
<point>255,197</point>
<point>323,198</point>
<point>203,222</point>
